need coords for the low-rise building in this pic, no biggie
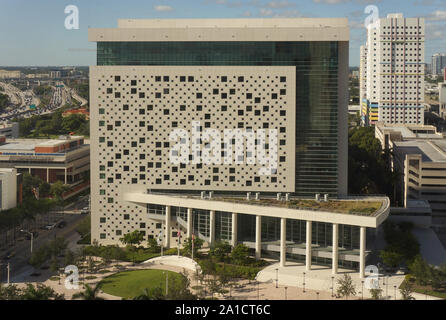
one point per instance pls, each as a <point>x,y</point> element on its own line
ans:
<point>419,154</point>
<point>10,74</point>
<point>8,188</point>
<point>66,159</point>
<point>9,130</point>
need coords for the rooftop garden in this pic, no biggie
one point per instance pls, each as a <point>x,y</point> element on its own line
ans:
<point>357,207</point>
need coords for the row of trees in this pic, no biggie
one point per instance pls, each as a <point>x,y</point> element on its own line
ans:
<point>31,207</point>
<point>54,124</point>
<point>4,101</point>
<point>402,246</point>
<point>30,292</point>
<point>368,167</point>
<point>424,274</point>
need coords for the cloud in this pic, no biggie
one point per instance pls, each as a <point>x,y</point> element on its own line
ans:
<point>227,3</point>
<point>346,1</point>
<point>263,12</point>
<point>437,15</point>
<point>161,8</point>
<point>280,4</point>
<point>435,32</point>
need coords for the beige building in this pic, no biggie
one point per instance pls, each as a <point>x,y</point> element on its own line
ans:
<point>394,72</point>
<point>8,188</point>
<point>9,130</point>
<point>168,100</point>
<point>442,99</point>
<point>10,74</point>
<point>66,159</point>
<point>419,154</point>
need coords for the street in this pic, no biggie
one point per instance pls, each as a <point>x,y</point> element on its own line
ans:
<point>19,268</point>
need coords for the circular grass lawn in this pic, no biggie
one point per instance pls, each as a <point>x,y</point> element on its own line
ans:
<point>130,284</point>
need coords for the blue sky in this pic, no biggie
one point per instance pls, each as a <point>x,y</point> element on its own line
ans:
<point>32,32</point>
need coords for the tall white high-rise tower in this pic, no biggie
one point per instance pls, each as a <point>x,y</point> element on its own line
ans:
<point>395,70</point>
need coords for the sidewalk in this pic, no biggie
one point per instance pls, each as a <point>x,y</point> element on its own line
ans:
<point>320,279</point>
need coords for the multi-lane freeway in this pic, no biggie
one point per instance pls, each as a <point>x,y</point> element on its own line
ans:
<point>22,101</point>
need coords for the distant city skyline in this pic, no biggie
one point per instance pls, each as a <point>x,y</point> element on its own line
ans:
<point>32,33</point>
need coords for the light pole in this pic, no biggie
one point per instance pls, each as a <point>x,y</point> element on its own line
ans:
<point>258,291</point>
<point>362,290</point>
<point>160,237</point>
<point>304,283</point>
<point>7,267</point>
<point>394,287</point>
<point>32,238</point>
<point>317,295</point>
<point>167,283</point>
<point>332,286</point>
<point>277,277</point>
<point>286,288</point>
<point>387,282</point>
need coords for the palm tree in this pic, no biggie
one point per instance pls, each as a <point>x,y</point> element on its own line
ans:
<point>89,293</point>
<point>152,294</point>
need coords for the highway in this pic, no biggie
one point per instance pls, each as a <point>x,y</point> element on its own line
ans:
<point>22,100</point>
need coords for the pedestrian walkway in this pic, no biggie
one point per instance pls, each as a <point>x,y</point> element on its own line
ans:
<point>174,261</point>
<point>321,279</point>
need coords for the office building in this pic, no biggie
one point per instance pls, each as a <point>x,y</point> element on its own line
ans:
<point>8,188</point>
<point>10,74</point>
<point>66,159</point>
<point>395,71</point>
<point>438,64</point>
<point>419,155</point>
<point>442,99</point>
<point>10,130</point>
<point>162,84</point>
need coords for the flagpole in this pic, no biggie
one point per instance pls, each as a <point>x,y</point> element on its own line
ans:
<point>192,246</point>
<point>179,240</point>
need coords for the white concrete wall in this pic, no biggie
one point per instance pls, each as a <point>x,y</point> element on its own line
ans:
<point>8,181</point>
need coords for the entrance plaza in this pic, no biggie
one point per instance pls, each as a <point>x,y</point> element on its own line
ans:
<point>294,230</point>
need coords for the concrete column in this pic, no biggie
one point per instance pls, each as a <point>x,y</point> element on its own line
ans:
<point>308,247</point>
<point>48,175</point>
<point>362,235</point>
<point>189,223</point>
<point>234,229</point>
<point>258,237</point>
<point>282,242</point>
<point>335,253</point>
<point>167,240</point>
<point>66,176</point>
<point>212,228</point>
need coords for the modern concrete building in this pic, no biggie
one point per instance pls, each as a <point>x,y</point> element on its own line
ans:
<point>419,154</point>
<point>10,130</point>
<point>66,159</point>
<point>10,74</point>
<point>438,64</point>
<point>364,110</point>
<point>442,98</point>
<point>165,95</point>
<point>395,71</point>
<point>8,188</point>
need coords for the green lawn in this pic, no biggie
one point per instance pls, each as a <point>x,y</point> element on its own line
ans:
<point>129,284</point>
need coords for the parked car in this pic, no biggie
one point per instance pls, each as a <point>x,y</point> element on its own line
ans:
<point>61,224</point>
<point>85,210</point>
<point>50,226</point>
<point>8,255</point>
